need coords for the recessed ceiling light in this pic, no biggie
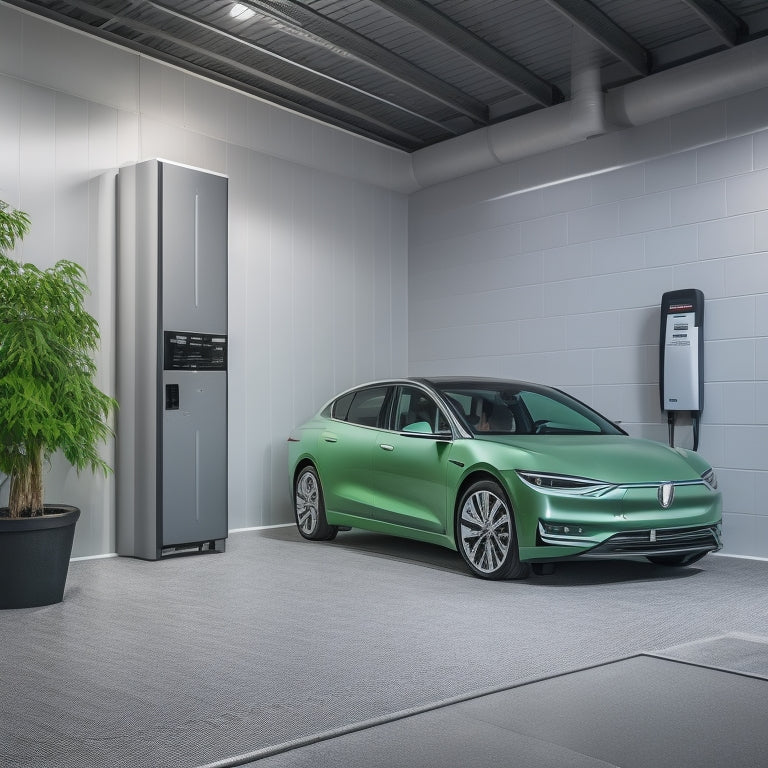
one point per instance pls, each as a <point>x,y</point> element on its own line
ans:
<point>241,12</point>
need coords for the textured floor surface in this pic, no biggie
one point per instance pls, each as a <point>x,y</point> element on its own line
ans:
<point>641,712</point>
<point>224,658</point>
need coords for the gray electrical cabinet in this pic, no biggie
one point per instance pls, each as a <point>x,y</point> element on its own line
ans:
<point>171,464</point>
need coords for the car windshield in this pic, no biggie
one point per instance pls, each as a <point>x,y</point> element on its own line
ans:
<point>500,408</point>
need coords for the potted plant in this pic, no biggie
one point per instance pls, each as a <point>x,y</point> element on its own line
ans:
<point>48,403</point>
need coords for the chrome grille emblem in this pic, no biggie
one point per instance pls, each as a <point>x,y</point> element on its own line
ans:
<point>666,494</point>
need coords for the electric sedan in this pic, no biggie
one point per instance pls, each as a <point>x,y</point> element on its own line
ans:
<point>508,473</point>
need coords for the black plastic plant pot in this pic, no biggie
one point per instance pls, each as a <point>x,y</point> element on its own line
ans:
<point>34,556</point>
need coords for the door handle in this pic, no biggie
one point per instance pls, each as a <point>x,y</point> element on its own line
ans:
<point>329,439</point>
<point>386,447</point>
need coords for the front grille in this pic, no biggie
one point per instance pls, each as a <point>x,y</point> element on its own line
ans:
<point>659,541</point>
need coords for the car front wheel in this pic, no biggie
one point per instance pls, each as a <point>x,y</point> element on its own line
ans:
<point>309,507</point>
<point>485,533</point>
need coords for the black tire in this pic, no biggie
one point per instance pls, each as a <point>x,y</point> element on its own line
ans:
<point>676,560</point>
<point>309,507</point>
<point>485,533</point>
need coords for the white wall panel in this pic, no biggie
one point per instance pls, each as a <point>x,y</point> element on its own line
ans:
<point>204,151</point>
<point>644,214</point>
<point>670,171</point>
<point>729,360</point>
<point>618,254</point>
<point>102,141</point>
<point>36,148</point>
<point>128,137</point>
<point>71,184</point>
<point>544,334</point>
<point>161,92</point>
<point>10,127</point>
<point>567,262</point>
<point>740,406</point>
<point>593,223</point>
<point>745,447</point>
<point>676,245</point>
<point>727,237</point>
<point>761,362</point>
<point>760,150</point>
<point>761,231</point>
<point>12,49</point>
<point>726,158</point>
<point>639,326</point>
<point>593,330</point>
<point>748,193</point>
<point>761,315</point>
<point>747,275</point>
<point>731,318</point>
<point>699,203</point>
<point>744,534</point>
<point>568,196</point>
<point>708,275</point>
<point>618,184</point>
<point>79,64</point>
<point>761,402</point>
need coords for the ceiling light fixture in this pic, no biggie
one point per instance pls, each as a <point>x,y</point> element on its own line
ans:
<point>241,12</point>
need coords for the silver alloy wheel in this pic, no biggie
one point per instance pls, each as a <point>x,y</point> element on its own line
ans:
<point>485,528</point>
<point>307,496</point>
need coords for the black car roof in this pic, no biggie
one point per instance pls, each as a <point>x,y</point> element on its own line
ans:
<point>474,381</point>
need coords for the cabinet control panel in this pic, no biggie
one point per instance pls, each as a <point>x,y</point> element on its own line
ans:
<point>184,351</point>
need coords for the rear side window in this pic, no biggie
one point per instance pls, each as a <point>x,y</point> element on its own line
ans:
<point>366,407</point>
<point>341,406</point>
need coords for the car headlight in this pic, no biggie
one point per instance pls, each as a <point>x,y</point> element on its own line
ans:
<point>564,484</point>
<point>710,479</point>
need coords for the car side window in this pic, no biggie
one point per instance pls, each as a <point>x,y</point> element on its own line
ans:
<point>366,406</point>
<point>341,406</point>
<point>416,411</point>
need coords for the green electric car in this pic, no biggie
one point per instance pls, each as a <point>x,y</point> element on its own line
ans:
<point>508,473</point>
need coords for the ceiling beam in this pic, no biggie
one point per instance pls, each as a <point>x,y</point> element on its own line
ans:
<point>728,26</point>
<point>610,35</point>
<point>326,109</point>
<point>283,60</point>
<point>464,42</point>
<point>309,25</point>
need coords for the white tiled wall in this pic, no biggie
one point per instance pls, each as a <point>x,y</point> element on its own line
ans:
<point>562,283</point>
<point>318,248</point>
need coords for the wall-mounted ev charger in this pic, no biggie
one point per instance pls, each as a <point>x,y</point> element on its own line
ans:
<point>681,358</point>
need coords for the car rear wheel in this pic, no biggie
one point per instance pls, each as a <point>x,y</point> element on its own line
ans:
<point>309,507</point>
<point>485,533</point>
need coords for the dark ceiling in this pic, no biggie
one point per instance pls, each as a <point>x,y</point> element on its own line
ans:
<point>411,73</point>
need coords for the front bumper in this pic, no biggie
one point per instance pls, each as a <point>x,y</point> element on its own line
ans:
<point>658,541</point>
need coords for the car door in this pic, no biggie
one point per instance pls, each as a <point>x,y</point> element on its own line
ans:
<point>410,463</point>
<point>346,448</point>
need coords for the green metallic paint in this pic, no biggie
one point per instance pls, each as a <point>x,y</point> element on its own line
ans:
<point>408,484</point>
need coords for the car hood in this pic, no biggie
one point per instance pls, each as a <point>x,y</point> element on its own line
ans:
<point>610,458</point>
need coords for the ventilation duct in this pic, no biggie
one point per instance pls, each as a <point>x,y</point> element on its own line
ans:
<point>546,129</point>
<point>724,75</point>
<point>590,112</point>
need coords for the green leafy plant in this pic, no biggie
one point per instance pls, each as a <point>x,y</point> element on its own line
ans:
<point>48,401</point>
